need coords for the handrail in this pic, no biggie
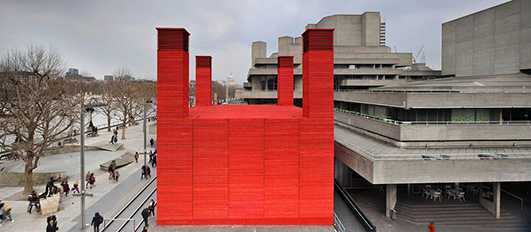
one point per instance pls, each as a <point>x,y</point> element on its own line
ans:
<point>133,199</point>
<point>364,221</point>
<point>151,194</point>
<point>521,199</point>
<point>405,123</point>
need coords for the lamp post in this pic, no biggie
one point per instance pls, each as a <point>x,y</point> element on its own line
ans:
<point>82,161</point>
<point>145,132</point>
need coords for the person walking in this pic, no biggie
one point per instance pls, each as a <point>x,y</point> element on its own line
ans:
<point>151,206</point>
<point>116,175</point>
<point>87,176</point>
<point>431,226</point>
<point>52,224</point>
<point>145,229</point>
<point>92,180</point>
<point>34,201</point>
<point>75,189</point>
<point>148,172</point>
<point>152,142</point>
<point>96,221</point>
<point>66,187</point>
<point>145,215</point>
<point>143,172</point>
<point>136,157</point>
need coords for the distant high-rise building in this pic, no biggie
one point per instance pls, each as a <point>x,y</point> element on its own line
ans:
<point>72,73</point>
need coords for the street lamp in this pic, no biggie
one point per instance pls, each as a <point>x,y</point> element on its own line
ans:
<point>145,132</point>
<point>82,160</point>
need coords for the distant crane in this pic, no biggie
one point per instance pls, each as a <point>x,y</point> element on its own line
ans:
<point>420,57</point>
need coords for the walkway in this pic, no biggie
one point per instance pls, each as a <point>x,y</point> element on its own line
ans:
<point>108,195</point>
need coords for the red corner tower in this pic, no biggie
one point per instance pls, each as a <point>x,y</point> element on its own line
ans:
<point>245,164</point>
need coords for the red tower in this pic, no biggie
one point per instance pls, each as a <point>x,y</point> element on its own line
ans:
<point>245,164</point>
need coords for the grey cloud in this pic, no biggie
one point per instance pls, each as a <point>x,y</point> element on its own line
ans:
<point>100,36</point>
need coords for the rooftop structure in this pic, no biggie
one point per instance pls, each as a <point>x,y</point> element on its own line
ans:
<point>361,60</point>
<point>240,164</point>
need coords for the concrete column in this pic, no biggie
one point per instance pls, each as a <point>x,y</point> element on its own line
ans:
<point>497,198</point>
<point>390,199</point>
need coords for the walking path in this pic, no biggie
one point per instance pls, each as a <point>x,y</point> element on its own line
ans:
<point>107,195</point>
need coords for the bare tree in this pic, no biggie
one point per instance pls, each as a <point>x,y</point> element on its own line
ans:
<point>128,98</point>
<point>108,99</point>
<point>40,110</point>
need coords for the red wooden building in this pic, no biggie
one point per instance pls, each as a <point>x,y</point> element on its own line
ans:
<point>245,164</point>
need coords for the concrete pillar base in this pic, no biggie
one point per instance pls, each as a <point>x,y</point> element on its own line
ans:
<point>390,199</point>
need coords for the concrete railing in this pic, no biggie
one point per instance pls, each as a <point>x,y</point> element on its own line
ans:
<point>437,131</point>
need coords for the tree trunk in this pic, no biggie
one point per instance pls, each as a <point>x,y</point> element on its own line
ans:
<point>28,175</point>
<point>108,123</point>
<point>123,132</point>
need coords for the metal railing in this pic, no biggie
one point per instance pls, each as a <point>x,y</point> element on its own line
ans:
<point>397,122</point>
<point>121,212</point>
<point>364,221</point>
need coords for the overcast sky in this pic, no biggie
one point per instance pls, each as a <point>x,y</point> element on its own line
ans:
<point>99,37</point>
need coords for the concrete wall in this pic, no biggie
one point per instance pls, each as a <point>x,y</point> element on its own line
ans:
<point>289,46</point>
<point>258,50</point>
<point>437,100</point>
<point>451,171</point>
<point>488,42</point>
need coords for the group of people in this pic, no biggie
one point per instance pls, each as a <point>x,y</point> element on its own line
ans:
<point>146,172</point>
<point>5,213</point>
<point>150,210</point>
<point>113,173</point>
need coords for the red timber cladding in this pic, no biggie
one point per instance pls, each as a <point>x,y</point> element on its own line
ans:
<point>174,147</point>
<point>316,128</point>
<point>245,169</point>
<point>285,80</point>
<point>210,169</point>
<point>203,80</point>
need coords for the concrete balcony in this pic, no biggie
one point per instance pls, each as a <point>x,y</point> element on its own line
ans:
<point>367,71</point>
<point>438,131</point>
<point>360,82</point>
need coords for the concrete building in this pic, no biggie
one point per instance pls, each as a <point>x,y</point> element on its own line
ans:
<point>361,60</point>
<point>471,128</point>
<point>493,41</point>
<point>108,77</point>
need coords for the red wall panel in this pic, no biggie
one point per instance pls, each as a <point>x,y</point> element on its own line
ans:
<point>232,164</point>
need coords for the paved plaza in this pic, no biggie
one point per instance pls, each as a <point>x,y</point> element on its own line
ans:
<point>108,195</point>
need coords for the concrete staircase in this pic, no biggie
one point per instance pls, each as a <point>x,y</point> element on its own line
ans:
<point>464,216</point>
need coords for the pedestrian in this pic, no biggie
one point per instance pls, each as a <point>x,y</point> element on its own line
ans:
<point>148,172</point>
<point>116,175</point>
<point>87,176</point>
<point>92,180</point>
<point>136,157</point>
<point>431,226</point>
<point>75,189</point>
<point>33,199</point>
<point>152,142</point>
<point>145,215</point>
<point>145,229</point>
<point>52,224</point>
<point>151,206</point>
<point>66,187</point>
<point>5,212</point>
<point>154,161</point>
<point>143,172</point>
<point>96,222</point>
